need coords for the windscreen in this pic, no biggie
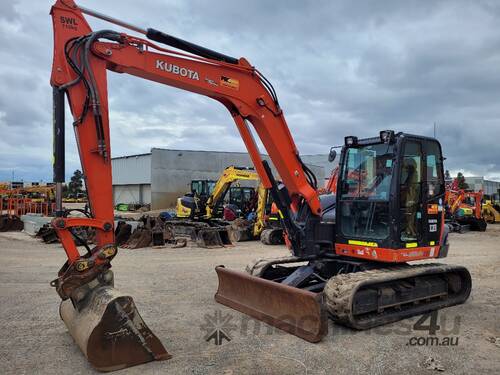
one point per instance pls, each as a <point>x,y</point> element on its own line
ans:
<point>367,172</point>
<point>365,192</point>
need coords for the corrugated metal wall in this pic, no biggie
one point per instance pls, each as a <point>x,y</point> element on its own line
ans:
<point>161,177</point>
<point>132,179</point>
<point>173,170</point>
<point>131,170</point>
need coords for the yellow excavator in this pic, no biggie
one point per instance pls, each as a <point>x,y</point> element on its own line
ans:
<point>206,198</point>
<point>490,210</point>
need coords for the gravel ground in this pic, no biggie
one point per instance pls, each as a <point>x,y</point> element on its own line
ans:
<point>174,288</point>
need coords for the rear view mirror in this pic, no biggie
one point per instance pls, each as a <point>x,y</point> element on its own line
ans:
<point>332,155</point>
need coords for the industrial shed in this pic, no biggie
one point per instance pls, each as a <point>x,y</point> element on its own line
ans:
<point>132,179</point>
<point>163,175</point>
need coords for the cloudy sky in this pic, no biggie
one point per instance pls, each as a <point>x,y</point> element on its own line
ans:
<point>339,68</point>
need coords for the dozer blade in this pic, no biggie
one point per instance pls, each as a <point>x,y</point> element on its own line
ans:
<point>293,310</point>
<point>110,332</point>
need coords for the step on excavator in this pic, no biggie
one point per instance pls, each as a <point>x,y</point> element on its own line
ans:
<point>350,251</point>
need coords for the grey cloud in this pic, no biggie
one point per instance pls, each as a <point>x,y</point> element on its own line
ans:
<point>339,68</point>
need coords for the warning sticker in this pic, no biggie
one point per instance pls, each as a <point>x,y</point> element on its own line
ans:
<point>229,82</point>
<point>432,209</point>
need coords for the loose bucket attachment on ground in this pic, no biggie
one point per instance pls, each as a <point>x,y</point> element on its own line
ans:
<point>293,310</point>
<point>210,234</point>
<point>10,223</point>
<point>47,234</point>
<point>123,232</point>
<point>272,236</point>
<point>213,237</point>
<point>139,239</point>
<point>110,331</point>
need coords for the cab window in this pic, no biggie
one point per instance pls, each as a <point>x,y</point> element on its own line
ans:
<point>435,178</point>
<point>410,190</point>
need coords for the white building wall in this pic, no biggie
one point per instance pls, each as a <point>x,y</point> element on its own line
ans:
<point>132,179</point>
<point>162,176</point>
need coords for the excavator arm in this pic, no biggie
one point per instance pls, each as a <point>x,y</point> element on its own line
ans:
<point>82,57</point>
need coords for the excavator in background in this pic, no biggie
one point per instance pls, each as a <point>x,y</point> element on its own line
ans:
<point>349,251</point>
<point>464,209</point>
<point>200,190</point>
<point>206,198</point>
<point>205,202</point>
<point>490,210</point>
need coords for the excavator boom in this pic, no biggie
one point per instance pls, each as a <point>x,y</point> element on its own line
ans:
<point>80,63</point>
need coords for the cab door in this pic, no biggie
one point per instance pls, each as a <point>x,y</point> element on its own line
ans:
<point>421,193</point>
<point>411,193</point>
<point>434,191</point>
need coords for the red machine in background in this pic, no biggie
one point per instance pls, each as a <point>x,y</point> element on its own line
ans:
<point>21,201</point>
<point>464,208</point>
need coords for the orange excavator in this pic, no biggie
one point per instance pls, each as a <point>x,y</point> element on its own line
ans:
<point>464,209</point>
<point>349,250</point>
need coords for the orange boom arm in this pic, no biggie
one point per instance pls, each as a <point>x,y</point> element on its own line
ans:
<point>81,58</point>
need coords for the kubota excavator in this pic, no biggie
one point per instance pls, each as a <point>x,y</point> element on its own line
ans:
<point>349,250</point>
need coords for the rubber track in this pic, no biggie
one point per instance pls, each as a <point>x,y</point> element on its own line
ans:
<point>339,292</point>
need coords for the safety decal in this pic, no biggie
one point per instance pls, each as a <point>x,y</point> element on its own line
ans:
<point>229,82</point>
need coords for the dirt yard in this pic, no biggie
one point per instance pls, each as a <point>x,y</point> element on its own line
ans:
<point>174,288</point>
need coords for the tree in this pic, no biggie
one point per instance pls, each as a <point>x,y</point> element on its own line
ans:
<point>461,181</point>
<point>75,185</point>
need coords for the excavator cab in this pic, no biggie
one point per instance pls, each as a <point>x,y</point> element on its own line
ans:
<point>189,205</point>
<point>391,192</point>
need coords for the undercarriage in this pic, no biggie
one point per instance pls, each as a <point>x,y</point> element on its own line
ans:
<point>355,293</point>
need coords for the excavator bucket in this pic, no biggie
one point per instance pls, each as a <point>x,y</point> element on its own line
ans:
<point>4,223</point>
<point>10,223</point>
<point>296,311</point>
<point>140,238</point>
<point>158,234</point>
<point>110,331</point>
<point>212,237</point>
<point>47,234</point>
<point>123,232</point>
